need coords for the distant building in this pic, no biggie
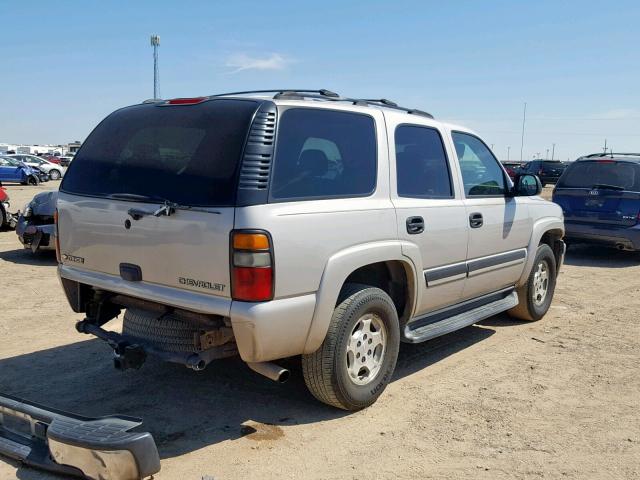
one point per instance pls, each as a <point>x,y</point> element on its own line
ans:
<point>71,147</point>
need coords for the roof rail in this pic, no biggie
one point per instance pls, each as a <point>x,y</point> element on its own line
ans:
<point>323,94</point>
<point>280,91</point>
<point>611,154</point>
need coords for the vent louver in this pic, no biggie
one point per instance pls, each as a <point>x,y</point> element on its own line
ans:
<point>258,152</point>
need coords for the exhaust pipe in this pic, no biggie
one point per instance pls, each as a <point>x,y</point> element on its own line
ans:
<point>620,246</point>
<point>270,370</point>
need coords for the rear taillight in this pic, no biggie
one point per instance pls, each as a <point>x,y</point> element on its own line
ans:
<point>251,266</point>
<point>57,233</point>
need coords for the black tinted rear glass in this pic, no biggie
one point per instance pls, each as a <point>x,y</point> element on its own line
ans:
<point>188,154</point>
<point>588,174</point>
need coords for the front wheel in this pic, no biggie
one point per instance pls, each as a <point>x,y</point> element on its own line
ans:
<point>355,362</point>
<point>54,175</point>
<point>536,295</point>
<point>32,180</point>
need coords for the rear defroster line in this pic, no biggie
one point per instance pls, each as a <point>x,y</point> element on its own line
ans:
<point>72,445</point>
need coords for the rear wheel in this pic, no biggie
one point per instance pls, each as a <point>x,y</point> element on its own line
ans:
<point>355,362</point>
<point>536,295</point>
<point>55,174</point>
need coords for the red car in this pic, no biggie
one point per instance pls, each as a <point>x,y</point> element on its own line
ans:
<point>6,219</point>
<point>53,159</point>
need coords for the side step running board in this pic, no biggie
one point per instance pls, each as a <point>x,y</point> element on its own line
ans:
<point>71,445</point>
<point>506,300</point>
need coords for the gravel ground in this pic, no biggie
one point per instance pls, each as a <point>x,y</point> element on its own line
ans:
<point>500,400</point>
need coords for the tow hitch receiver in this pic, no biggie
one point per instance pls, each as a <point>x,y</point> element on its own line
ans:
<point>71,445</point>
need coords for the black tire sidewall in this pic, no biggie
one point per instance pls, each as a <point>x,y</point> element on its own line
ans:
<point>370,300</point>
<point>538,311</point>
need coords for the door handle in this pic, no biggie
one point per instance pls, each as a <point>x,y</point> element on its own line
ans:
<point>476,220</point>
<point>415,225</point>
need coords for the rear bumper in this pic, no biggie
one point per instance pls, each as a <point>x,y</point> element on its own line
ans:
<point>263,331</point>
<point>72,445</point>
<point>629,237</point>
<point>271,330</point>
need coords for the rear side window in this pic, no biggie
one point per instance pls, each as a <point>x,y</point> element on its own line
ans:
<point>324,154</point>
<point>589,174</point>
<point>421,163</point>
<point>187,154</point>
<point>481,173</point>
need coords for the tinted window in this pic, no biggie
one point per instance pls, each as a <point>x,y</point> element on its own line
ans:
<point>421,163</point>
<point>481,173</point>
<point>324,153</point>
<point>588,174</point>
<point>186,154</point>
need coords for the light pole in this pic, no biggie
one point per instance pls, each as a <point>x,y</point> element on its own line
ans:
<point>553,151</point>
<point>546,157</point>
<point>508,150</point>
<point>155,43</point>
<point>524,118</point>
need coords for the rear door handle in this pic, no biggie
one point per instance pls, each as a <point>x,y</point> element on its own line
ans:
<point>476,220</point>
<point>415,225</point>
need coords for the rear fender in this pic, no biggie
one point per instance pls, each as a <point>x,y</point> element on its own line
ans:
<point>338,268</point>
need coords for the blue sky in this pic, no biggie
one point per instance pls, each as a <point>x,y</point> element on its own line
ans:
<point>64,65</point>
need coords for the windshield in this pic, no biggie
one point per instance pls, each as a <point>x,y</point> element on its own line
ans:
<point>598,173</point>
<point>187,154</point>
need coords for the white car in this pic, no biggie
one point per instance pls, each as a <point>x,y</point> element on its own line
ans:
<point>54,170</point>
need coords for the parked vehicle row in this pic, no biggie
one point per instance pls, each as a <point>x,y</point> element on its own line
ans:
<point>548,171</point>
<point>54,170</point>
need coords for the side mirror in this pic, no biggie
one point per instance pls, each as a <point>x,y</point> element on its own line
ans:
<point>526,185</point>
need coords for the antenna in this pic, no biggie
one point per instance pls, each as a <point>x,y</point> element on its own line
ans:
<point>155,43</point>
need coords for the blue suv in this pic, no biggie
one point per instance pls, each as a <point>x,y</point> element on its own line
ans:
<point>600,197</point>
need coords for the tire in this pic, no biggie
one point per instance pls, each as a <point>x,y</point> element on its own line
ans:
<point>32,180</point>
<point>166,332</point>
<point>3,218</point>
<point>531,306</point>
<point>331,372</point>
<point>54,174</point>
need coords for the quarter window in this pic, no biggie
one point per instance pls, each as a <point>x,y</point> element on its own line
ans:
<point>481,173</point>
<point>324,154</point>
<point>421,163</point>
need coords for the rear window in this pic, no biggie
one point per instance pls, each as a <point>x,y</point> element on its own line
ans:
<point>186,154</point>
<point>324,154</point>
<point>587,174</point>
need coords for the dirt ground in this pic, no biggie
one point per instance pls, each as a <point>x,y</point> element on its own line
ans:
<point>559,398</point>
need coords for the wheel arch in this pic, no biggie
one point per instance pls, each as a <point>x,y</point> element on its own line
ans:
<point>379,264</point>
<point>548,230</point>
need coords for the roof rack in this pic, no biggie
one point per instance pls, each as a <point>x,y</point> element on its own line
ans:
<point>609,154</point>
<point>328,95</point>
<point>283,91</point>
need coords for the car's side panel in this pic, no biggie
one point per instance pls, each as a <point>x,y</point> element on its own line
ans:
<point>442,246</point>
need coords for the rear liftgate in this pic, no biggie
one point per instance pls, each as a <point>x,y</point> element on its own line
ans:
<point>97,448</point>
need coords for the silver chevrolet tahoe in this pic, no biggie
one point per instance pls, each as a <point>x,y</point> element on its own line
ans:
<point>273,224</point>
